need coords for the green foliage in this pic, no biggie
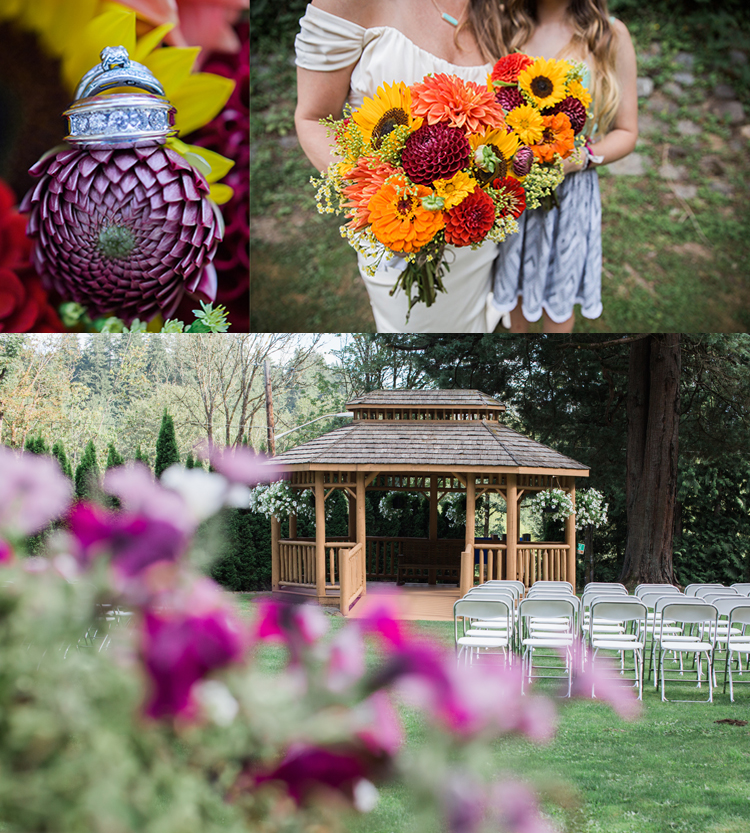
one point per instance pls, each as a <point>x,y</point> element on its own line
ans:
<point>166,446</point>
<point>244,562</point>
<point>87,474</point>
<point>114,458</point>
<point>190,462</point>
<point>271,21</point>
<point>58,451</point>
<point>36,445</point>
<point>140,457</point>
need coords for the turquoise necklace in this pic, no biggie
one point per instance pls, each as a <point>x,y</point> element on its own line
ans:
<point>448,18</point>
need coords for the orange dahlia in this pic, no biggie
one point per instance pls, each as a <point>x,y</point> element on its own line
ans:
<point>506,69</point>
<point>459,103</point>
<point>470,220</point>
<point>366,178</point>
<point>558,138</point>
<point>398,218</point>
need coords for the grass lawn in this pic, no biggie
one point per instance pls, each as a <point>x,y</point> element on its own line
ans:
<point>673,769</point>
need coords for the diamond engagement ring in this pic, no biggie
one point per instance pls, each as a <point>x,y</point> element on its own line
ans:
<point>96,119</point>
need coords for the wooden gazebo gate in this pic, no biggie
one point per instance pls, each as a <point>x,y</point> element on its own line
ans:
<point>433,442</point>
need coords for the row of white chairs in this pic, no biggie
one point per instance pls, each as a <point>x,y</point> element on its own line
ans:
<point>605,617</point>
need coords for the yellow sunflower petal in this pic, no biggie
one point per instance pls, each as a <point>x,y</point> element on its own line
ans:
<point>212,165</point>
<point>10,9</point>
<point>155,324</point>
<point>66,25</point>
<point>150,41</point>
<point>200,99</point>
<point>113,28</point>
<point>220,193</point>
<point>172,67</point>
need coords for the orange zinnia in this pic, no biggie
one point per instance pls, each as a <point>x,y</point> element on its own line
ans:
<point>366,177</point>
<point>398,218</point>
<point>558,137</point>
<point>459,103</point>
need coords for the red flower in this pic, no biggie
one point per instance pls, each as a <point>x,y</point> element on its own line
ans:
<point>470,220</point>
<point>507,68</point>
<point>512,194</point>
<point>23,301</point>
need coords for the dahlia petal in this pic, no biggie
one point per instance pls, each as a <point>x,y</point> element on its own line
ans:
<point>144,173</point>
<point>188,186</point>
<point>157,161</point>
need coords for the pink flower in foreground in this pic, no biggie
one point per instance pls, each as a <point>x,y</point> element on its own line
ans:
<point>464,803</point>
<point>33,492</point>
<point>380,616</point>
<point>183,643</point>
<point>297,626</point>
<point>516,808</point>
<point>604,678</point>
<point>134,542</point>
<point>346,660</point>
<point>240,464</point>
<point>6,552</point>
<point>382,730</point>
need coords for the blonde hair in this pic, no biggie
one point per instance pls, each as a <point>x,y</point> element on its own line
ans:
<point>500,28</point>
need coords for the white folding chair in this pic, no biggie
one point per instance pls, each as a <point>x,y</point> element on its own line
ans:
<point>483,640</point>
<point>641,589</point>
<point>698,590</point>
<point>539,627</point>
<point>736,644</point>
<point>743,588</point>
<point>620,613</point>
<point>688,612</point>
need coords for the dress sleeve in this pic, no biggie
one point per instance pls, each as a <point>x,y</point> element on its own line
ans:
<point>327,42</point>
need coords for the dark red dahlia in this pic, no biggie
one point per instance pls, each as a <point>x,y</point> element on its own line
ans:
<point>573,109</point>
<point>435,151</point>
<point>470,220</point>
<point>509,98</point>
<point>123,232</point>
<point>512,195</point>
<point>507,68</point>
<point>522,161</point>
<point>24,307</point>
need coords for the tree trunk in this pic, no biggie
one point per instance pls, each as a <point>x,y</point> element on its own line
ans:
<point>653,406</point>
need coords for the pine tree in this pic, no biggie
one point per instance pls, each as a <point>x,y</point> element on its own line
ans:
<point>190,462</point>
<point>36,445</point>
<point>114,458</point>
<point>58,451</point>
<point>166,446</point>
<point>140,457</point>
<point>87,473</point>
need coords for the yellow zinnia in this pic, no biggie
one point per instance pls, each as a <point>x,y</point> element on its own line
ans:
<point>389,109</point>
<point>454,190</point>
<point>577,90</point>
<point>544,81</point>
<point>527,123</point>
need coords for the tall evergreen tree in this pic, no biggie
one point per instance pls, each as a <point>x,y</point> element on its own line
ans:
<point>114,458</point>
<point>140,457</point>
<point>36,445</point>
<point>58,451</point>
<point>190,462</point>
<point>87,473</point>
<point>166,445</point>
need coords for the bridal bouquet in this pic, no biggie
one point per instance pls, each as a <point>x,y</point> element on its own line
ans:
<point>437,164</point>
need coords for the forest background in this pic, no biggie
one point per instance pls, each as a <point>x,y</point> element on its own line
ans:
<point>568,392</point>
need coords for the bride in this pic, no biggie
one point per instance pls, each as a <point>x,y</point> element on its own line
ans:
<point>345,50</point>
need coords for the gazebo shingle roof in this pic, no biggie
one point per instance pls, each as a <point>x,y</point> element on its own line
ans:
<point>426,399</point>
<point>450,444</point>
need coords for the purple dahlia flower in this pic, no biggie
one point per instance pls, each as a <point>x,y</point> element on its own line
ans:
<point>124,231</point>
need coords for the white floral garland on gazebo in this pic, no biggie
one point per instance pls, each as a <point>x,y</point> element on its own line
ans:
<point>590,509</point>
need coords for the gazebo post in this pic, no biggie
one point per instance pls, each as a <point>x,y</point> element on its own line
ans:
<point>352,505</point>
<point>511,526</point>
<point>292,526</point>
<point>275,553</point>
<point>570,536</point>
<point>433,507</point>
<point>320,537</point>
<point>471,505</point>
<point>361,526</point>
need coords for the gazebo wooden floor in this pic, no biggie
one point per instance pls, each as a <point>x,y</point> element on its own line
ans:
<point>415,601</point>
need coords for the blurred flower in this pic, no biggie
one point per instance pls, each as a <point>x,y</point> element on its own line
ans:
<point>6,552</point>
<point>516,808</point>
<point>33,492</point>
<point>134,542</point>
<point>297,626</point>
<point>346,659</point>
<point>604,680</point>
<point>23,301</point>
<point>204,492</point>
<point>381,728</point>
<point>464,803</point>
<point>239,464</point>
<point>185,639</point>
<point>379,614</point>
<point>217,701</point>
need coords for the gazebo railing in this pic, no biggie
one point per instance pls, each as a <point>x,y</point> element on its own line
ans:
<point>297,562</point>
<point>381,557</point>
<point>542,562</point>
<point>492,561</point>
<point>352,576</point>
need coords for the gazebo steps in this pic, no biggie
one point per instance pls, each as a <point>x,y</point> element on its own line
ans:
<point>307,594</point>
<point>415,601</point>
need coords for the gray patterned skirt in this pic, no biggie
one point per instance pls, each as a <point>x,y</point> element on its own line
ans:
<point>555,260</point>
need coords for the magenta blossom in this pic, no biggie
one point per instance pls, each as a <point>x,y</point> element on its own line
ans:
<point>464,803</point>
<point>307,769</point>
<point>516,808</point>
<point>296,625</point>
<point>346,659</point>
<point>134,542</point>
<point>6,552</point>
<point>183,643</point>
<point>240,464</point>
<point>379,615</point>
<point>604,680</point>
<point>33,492</point>
<point>382,731</point>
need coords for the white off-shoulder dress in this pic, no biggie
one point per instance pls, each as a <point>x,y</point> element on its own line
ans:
<point>385,55</point>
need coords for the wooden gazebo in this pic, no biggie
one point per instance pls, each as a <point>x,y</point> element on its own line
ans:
<point>433,442</point>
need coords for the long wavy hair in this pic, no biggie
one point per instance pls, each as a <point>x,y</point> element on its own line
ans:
<point>500,28</point>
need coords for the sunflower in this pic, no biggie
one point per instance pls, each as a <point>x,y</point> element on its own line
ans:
<point>557,138</point>
<point>399,220</point>
<point>492,152</point>
<point>48,45</point>
<point>544,81</point>
<point>527,123</point>
<point>379,116</point>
